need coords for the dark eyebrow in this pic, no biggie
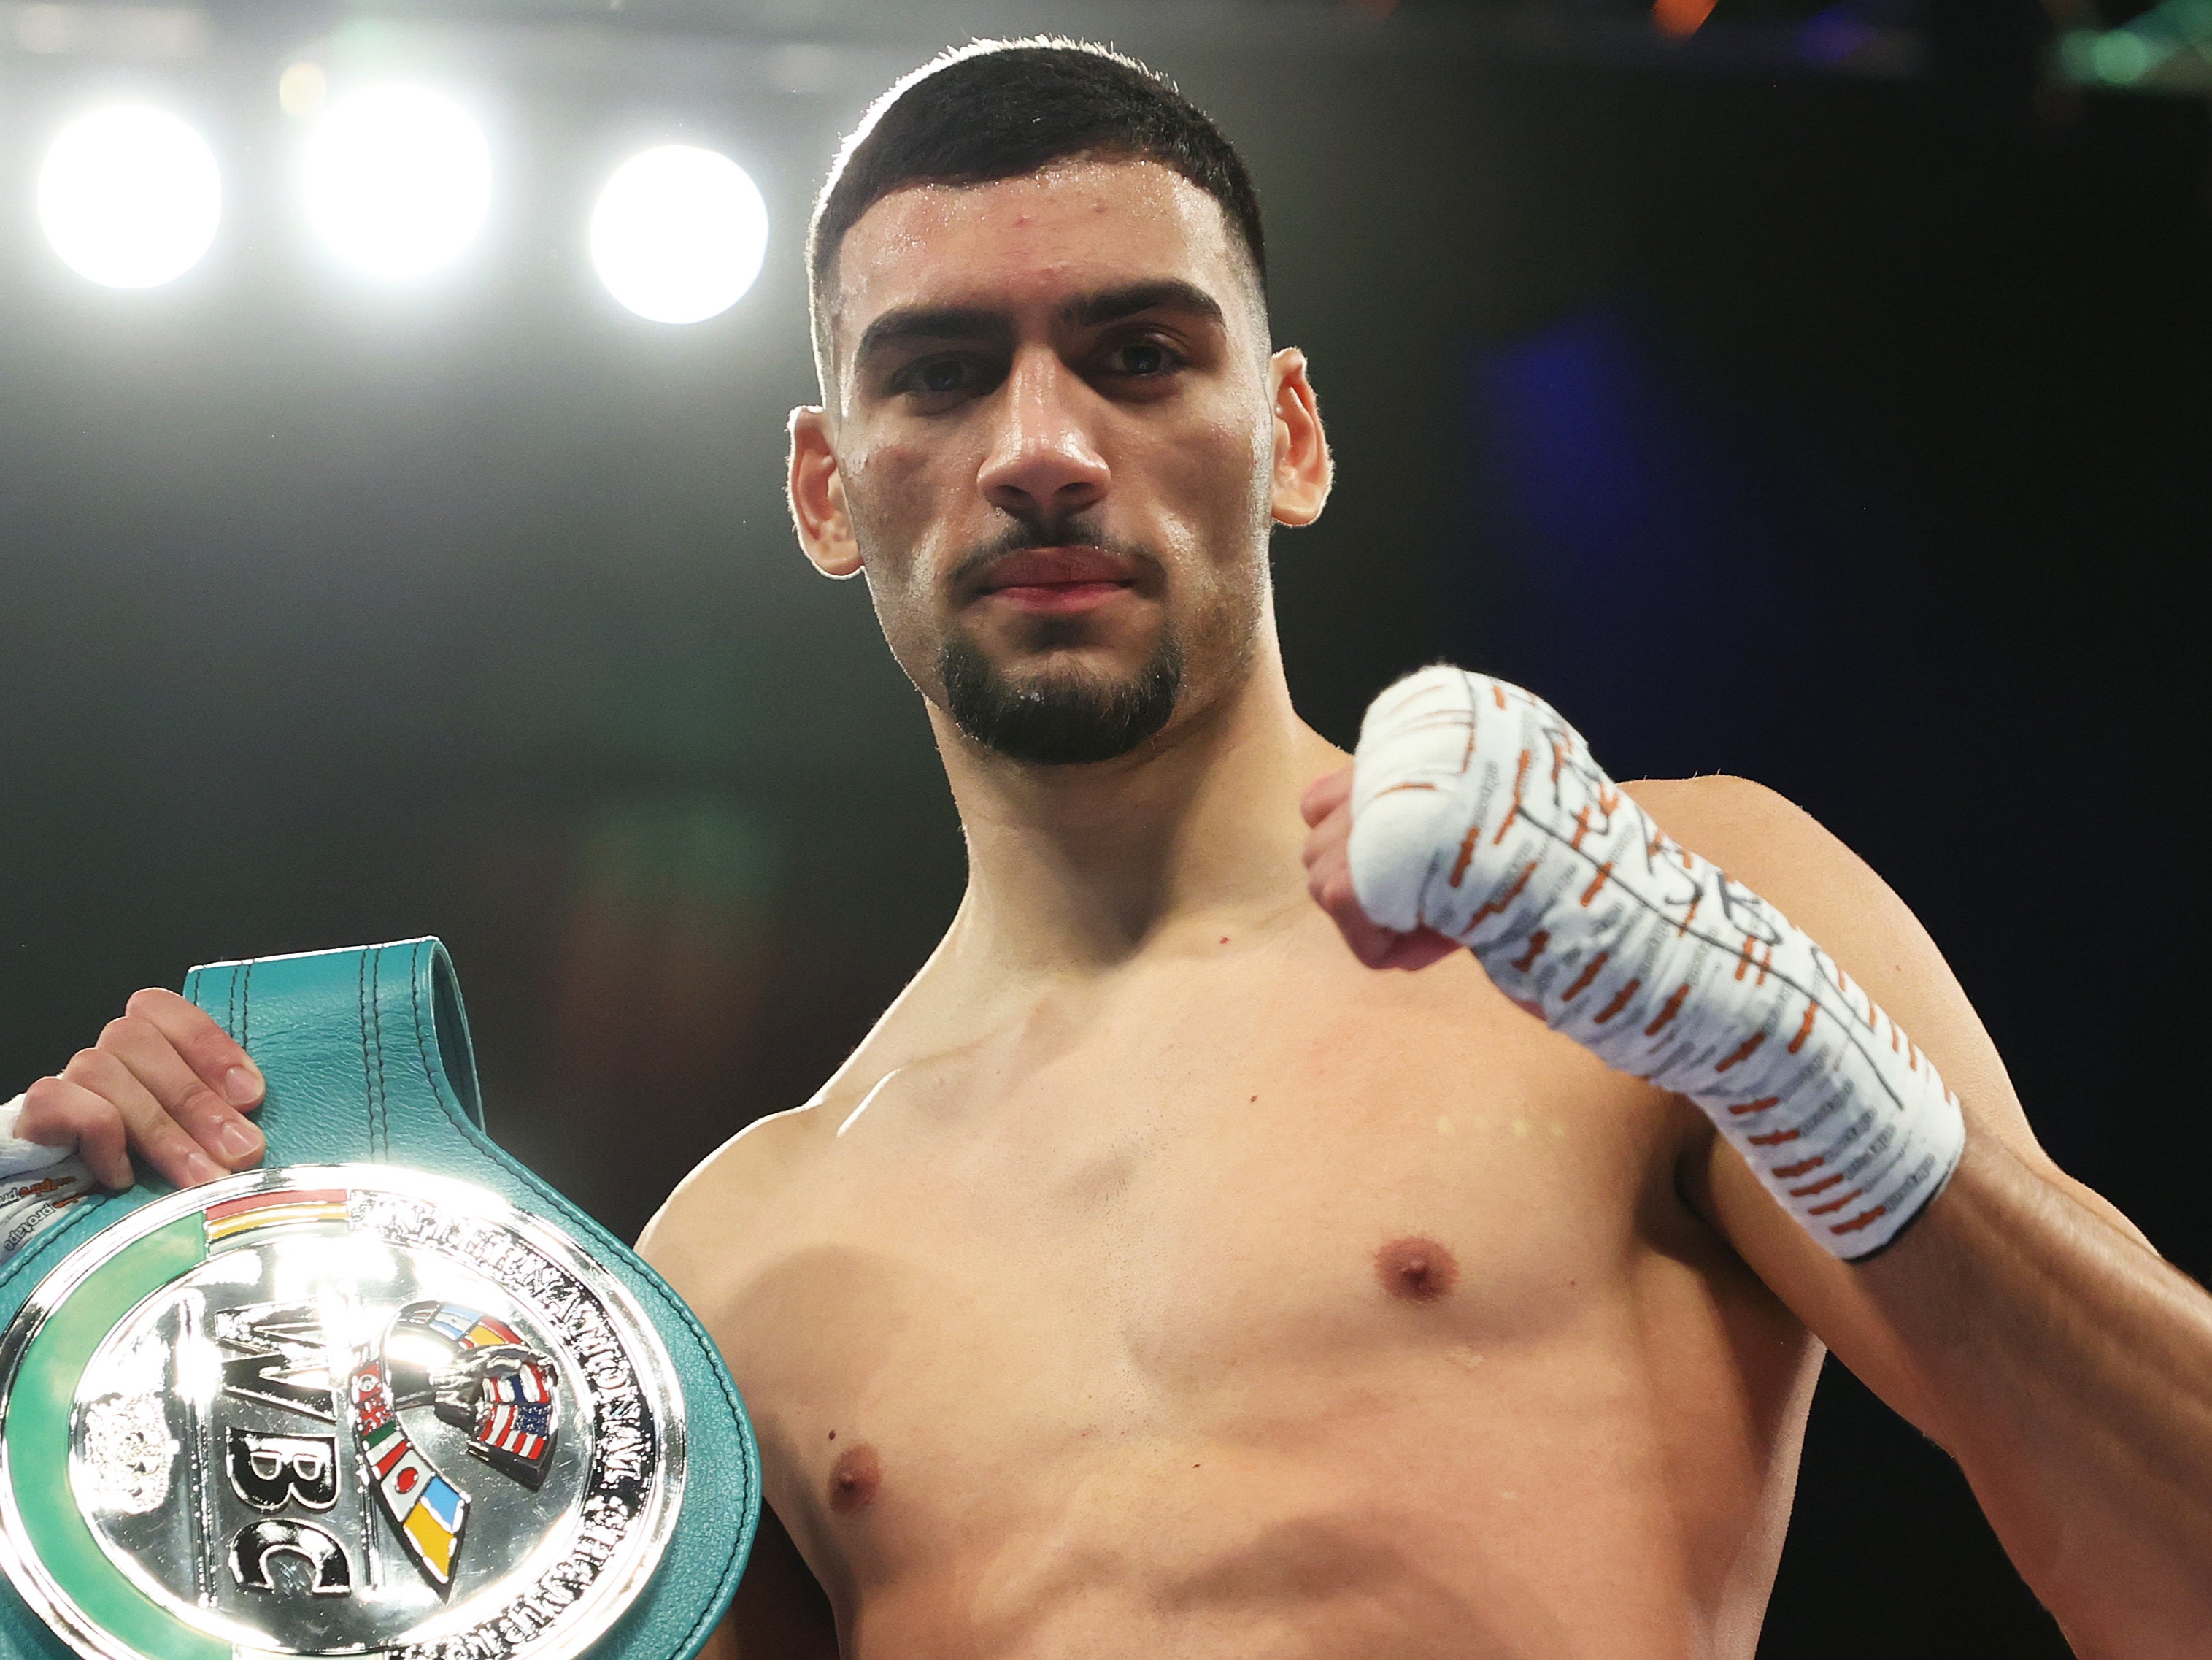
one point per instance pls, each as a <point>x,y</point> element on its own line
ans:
<point>905,325</point>
<point>1159,294</point>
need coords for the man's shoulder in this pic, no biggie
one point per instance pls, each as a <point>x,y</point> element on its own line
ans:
<point>735,1189</point>
<point>1763,840</point>
<point>1789,858</point>
<point>1722,805</point>
<point>751,1190</point>
<point>1767,843</point>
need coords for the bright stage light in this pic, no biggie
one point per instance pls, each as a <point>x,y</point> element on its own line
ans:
<point>302,88</point>
<point>130,197</point>
<point>398,180</point>
<point>678,234</point>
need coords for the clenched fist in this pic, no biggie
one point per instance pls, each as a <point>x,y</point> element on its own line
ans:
<point>1326,806</point>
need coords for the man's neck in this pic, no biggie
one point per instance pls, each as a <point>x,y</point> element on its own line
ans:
<point>1075,869</point>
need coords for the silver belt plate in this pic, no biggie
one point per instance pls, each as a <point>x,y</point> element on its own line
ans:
<point>339,1409</point>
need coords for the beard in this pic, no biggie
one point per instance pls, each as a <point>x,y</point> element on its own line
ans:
<point>1059,718</point>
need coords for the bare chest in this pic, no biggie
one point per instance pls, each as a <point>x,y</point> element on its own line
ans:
<point>1229,1198</point>
<point>1163,1290</point>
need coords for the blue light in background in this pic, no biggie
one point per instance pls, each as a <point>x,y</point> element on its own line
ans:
<point>1645,558</point>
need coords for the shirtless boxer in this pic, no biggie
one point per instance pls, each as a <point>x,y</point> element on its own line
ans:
<point>1160,1279</point>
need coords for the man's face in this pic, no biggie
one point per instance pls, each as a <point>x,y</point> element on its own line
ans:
<point>1055,439</point>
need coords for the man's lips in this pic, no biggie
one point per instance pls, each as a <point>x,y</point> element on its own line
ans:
<point>1056,579</point>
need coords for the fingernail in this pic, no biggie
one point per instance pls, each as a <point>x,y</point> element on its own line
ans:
<point>201,1168</point>
<point>235,1140</point>
<point>241,1086</point>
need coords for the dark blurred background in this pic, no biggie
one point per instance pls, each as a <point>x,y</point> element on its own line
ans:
<point>1816,392</point>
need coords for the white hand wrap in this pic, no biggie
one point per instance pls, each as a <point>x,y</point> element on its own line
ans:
<point>1477,811</point>
<point>37,1181</point>
<point>18,1156</point>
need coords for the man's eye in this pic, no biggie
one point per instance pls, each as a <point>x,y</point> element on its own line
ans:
<point>937,375</point>
<point>1141,358</point>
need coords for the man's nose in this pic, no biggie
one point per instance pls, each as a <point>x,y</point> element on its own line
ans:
<point>1044,463</point>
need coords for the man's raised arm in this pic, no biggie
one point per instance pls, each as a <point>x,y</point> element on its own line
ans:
<point>2013,1314</point>
<point>2022,1322</point>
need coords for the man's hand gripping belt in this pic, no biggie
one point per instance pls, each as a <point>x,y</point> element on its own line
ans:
<point>1478,813</point>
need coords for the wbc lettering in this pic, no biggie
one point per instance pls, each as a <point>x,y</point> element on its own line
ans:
<point>473,1370</point>
<point>269,1472</point>
<point>331,1573</point>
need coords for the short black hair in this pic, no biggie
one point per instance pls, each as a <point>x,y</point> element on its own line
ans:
<point>998,109</point>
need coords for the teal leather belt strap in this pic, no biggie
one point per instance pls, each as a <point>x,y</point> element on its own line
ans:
<point>368,1060</point>
<point>367,1054</point>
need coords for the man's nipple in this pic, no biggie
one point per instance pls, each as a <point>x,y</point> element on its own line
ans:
<point>1415,1269</point>
<point>853,1479</point>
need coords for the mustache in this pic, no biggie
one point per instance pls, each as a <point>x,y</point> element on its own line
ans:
<point>1075,530</point>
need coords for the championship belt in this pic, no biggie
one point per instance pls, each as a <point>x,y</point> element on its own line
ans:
<point>391,1396</point>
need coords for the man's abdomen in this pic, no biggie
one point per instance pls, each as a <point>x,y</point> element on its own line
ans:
<point>1526,1505</point>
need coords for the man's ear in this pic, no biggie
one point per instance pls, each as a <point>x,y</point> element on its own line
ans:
<point>1303,470</point>
<point>818,497</point>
